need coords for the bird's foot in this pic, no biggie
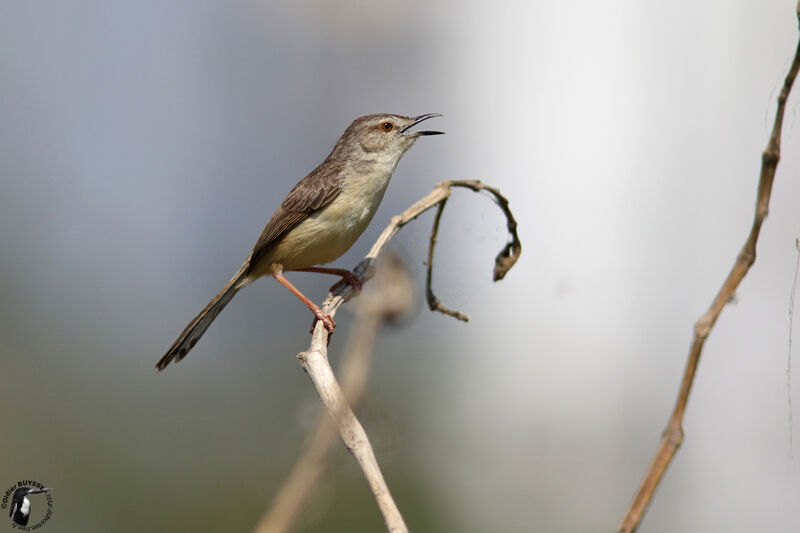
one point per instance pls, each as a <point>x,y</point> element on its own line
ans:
<point>327,321</point>
<point>350,279</point>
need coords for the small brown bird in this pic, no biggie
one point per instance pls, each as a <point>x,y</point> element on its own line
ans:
<point>320,219</point>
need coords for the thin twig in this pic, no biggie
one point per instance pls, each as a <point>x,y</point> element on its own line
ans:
<point>434,303</point>
<point>315,360</point>
<point>389,297</point>
<point>673,434</point>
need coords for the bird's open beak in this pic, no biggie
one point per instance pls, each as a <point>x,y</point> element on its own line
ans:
<point>416,121</point>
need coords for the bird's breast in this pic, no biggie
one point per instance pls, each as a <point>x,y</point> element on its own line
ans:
<point>329,232</point>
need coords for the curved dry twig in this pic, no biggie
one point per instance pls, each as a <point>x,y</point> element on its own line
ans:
<point>434,303</point>
<point>315,359</point>
<point>502,263</point>
<point>673,434</point>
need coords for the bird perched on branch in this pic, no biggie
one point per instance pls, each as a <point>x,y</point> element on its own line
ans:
<point>320,219</point>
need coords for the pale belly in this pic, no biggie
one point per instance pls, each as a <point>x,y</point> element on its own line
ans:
<point>323,237</point>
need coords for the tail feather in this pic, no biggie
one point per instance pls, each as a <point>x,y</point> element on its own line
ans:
<point>192,333</point>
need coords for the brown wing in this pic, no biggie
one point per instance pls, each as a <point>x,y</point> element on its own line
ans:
<point>316,190</point>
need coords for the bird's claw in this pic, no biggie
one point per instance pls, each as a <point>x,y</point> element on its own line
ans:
<point>327,321</point>
<point>349,279</point>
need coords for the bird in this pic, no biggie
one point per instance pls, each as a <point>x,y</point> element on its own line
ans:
<point>20,510</point>
<point>320,218</point>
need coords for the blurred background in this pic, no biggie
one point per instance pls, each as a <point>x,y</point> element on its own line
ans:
<point>143,146</point>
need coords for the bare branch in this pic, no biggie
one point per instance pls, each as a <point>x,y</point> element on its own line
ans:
<point>315,360</point>
<point>673,434</point>
<point>389,297</point>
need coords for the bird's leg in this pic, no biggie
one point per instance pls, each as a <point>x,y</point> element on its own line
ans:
<point>347,277</point>
<point>327,320</point>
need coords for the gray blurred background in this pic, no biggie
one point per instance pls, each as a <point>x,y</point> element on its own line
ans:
<point>144,145</point>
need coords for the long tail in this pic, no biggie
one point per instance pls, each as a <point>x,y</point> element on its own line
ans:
<point>189,337</point>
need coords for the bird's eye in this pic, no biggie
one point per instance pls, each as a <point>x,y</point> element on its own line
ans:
<point>387,126</point>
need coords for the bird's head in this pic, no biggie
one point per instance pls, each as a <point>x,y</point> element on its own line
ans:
<point>24,491</point>
<point>385,134</point>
